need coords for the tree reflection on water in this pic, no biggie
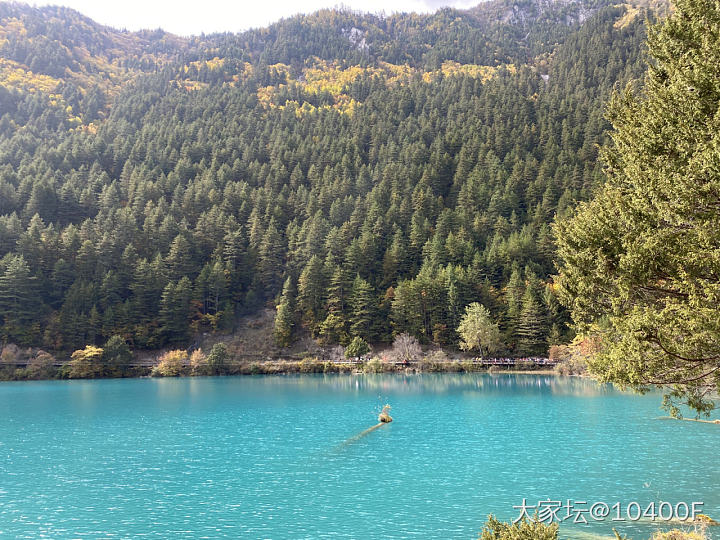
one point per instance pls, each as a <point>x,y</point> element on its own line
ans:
<point>438,383</point>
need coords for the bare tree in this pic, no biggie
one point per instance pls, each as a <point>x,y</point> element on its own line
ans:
<point>406,348</point>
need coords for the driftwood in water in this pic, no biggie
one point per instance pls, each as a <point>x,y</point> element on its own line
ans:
<point>362,434</point>
<point>691,420</point>
<point>384,417</point>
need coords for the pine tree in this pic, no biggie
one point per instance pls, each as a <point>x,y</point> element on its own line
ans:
<point>218,359</point>
<point>639,262</point>
<point>179,260</point>
<point>387,174</point>
<point>128,260</point>
<point>94,325</point>
<point>116,355</point>
<point>236,257</point>
<point>334,329</point>
<point>454,304</point>
<point>513,300</point>
<point>31,244</point>
<point>532,327</point>
<point>216,287</point>
<point>19,306</point>
<point>270,264</point>
<point>311,292</point>
<point>175,310</point>
<point>363,309</point>
<point>285,319</point>
<point>357,348</point>
<point>338,291</point>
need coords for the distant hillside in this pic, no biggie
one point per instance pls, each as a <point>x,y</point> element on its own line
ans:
<point>370,175</point>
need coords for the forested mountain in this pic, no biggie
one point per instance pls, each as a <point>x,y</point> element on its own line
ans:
<point>368,175</point>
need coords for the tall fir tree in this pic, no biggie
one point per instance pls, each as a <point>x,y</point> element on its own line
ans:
<point>285,319</point>
<point>364,309</point>
<point>19,306</point>
<point>531,329</point>
<point>175,311</point>
<point>311,293</point>
<point>639,263</point>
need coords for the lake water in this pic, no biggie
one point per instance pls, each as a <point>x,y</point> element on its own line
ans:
<point>266,457</point>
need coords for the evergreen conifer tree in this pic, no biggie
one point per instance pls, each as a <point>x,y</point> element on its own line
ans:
<point>639,263</point>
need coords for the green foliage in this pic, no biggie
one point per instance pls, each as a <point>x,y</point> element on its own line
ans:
<point>357,348</point>
<point>284,323</point>
<point>85,363</point>
<point>438,361</point>
<point>477,330</point>
<point>333,329</point>
<point>396,173</point>
<point>531,326</point>
<point>217,360</point>
<point>116,355</point>
<point>175,310</point>
<point>639,263</point>
<point>19,304</point>
<point>523,530</point>
<point>285,319</point>
<point>311,293</point>
<point>374,365</point>
<point>311,365</point>
<point>363,309</point>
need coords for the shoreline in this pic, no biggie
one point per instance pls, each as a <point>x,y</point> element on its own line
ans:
<point>281,367</point>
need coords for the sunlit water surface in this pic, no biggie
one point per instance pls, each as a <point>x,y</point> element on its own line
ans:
<point>264,457</point>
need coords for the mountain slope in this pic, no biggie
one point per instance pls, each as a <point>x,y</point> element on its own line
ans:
<point>372,175</point>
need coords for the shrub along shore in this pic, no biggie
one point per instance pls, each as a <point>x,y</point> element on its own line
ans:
<point>93,363</point>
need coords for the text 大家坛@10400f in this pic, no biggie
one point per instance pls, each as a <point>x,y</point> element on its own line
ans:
<point>576,511</point>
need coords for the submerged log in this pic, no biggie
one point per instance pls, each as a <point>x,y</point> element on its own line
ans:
<point>701,420</point>
<point>362,434</point>
<point>384,417</point>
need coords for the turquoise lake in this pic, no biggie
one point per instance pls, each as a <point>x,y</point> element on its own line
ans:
<point>267,457</point>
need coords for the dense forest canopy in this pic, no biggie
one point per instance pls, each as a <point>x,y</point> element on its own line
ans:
<point>367,175</point>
